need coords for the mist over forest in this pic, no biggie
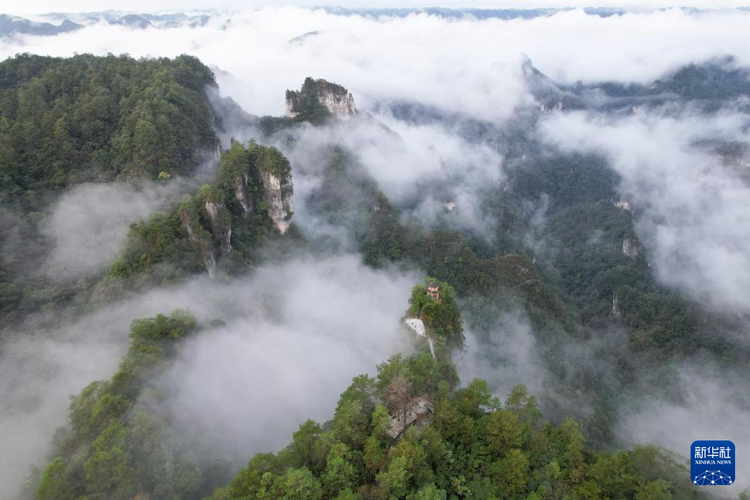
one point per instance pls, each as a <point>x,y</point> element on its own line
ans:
<point>373,251</point>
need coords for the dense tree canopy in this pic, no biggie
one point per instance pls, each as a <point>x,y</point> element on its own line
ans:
<point>468,445</point>
<point>87,118</point>
<point>441,316</point>
<point>120,443</point>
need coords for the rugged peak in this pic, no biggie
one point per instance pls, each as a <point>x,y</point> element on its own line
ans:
<point>318,99</point>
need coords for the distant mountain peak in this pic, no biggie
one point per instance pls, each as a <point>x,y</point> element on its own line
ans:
<point>317,98</point>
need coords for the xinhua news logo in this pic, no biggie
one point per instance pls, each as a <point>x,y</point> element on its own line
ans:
<point>712,463</point>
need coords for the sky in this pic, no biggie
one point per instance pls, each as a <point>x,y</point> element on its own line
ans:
<point>44,6</point>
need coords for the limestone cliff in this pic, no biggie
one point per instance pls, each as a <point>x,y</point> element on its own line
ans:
<point>198,236</point>
<point>220,228</point>
<point>254,180</point>
<point>240,192</point>
<point>318,96</point>
<point>211,199</point>
<point>277,194</point>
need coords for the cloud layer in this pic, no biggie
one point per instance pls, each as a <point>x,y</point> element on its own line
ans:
<point>465,66</point>
<point>294,336</point>
<point>296,332</point>
<point>691,206</point>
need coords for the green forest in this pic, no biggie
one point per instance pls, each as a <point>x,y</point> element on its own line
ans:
<point>86,118</point>
<point>409,430</point>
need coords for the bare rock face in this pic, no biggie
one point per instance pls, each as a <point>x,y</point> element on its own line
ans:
<point>201,240</point>
<point>220,226</point>
<point>623,204</point>
<point>630,248</point>
<point>240,192</point>
<point>277,194</point>
<point>333,97</point>
<point>616,310</point>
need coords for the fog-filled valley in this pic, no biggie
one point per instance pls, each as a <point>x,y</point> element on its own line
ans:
<point>355,253</point>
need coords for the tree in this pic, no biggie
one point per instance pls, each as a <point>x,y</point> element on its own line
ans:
<point>300,484</point>
<point>475,398</point>
<point>510,474</point>
<point>398,396</point>
<point>654,490</point>
<point>394,481</point>
<point>504,432</point>
<point>54,484</point>
<point>428,492</point>
<point>304,445</point>
<point>339,473</point>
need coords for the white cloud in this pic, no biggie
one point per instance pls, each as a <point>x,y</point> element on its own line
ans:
<point>464,66</point>
<point>43,6</point>
<point>692,212</point>
<point>295,335</point>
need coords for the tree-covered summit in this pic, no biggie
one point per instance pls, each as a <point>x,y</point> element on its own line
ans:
<point>462,443</point>
<point>434,302</point>
<point>89,118</point>
<point>120,442</point>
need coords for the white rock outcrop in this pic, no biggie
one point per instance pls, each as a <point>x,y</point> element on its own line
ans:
<point>417,326</point>
<point>616,310</point>
<point>220,228</point>
<point>277,194</point>
<point>240,192</point>
<point>623,204</point>
<point>630,248</point>
<point>207,254</point>
<point>337,100</point>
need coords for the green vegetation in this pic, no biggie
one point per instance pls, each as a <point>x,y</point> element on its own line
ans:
<point>120,443</point>
<point>92,119</point>
<point>553,259</point>
<point>176,244</point>
<point>87,118</point>
<point>441,316</point>
<point>466,445</point>
<point>305,102</point>
<point>268,159</point>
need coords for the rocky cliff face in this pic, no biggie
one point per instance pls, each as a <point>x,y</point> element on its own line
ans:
<point>240,192</point>
<point>277,194</point>
<point>630,248</point>
<point>220,226</point>
<point>623,204</point>
<point>616,310</point>
<point>197,235</point>
<point>333,97</point>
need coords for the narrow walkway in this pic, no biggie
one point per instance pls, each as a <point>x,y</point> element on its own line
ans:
<point>417,326</point>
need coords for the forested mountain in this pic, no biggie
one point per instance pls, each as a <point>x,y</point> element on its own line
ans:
<point>11,26</point>
<point>120,443</point>
<point>64,122</point>
<point>410,432</point>
<point>85,118</point>
<point>550,243</point>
